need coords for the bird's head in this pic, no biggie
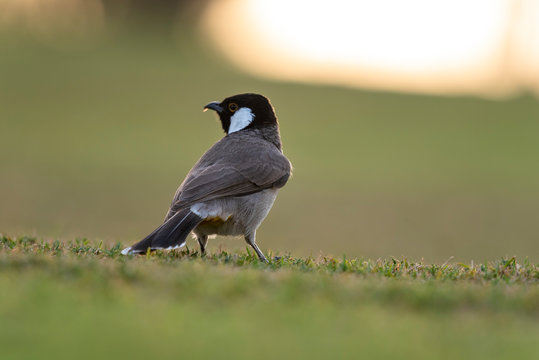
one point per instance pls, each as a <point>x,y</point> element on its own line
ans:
<point>244,111</point>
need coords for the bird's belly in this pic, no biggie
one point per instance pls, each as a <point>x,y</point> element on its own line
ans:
<point>236,215</point>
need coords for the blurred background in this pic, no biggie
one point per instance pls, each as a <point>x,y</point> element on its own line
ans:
<point>412,126</point>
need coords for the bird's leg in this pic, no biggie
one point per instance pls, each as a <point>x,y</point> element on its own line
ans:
<point>202,241</point>
<point>250,238</point>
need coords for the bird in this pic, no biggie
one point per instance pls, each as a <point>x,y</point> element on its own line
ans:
<point>233,186</point>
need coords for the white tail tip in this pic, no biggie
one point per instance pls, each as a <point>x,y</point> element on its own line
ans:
<point>176,247</point>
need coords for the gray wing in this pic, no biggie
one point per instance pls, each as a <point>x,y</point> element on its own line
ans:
<point>235,166</point>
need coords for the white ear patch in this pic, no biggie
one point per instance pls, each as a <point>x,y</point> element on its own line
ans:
<point>241,119</point>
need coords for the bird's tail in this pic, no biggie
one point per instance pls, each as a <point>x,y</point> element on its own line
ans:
<point>170,235</point>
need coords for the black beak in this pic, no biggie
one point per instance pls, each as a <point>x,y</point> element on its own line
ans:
<point>214,105</point>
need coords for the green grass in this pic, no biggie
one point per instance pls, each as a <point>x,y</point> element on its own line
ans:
<point>83,300</point>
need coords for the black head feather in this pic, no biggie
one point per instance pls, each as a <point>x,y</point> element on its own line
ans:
<point>259,106</point>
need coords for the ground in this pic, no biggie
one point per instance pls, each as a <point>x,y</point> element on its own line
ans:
<point>80,300</point>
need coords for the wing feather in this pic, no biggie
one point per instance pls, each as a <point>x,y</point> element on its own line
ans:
<point>233,167</point>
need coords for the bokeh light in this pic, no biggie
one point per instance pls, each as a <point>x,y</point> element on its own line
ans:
<point>487,47</point>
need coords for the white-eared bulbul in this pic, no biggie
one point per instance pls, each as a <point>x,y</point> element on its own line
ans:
<point>231,189</point>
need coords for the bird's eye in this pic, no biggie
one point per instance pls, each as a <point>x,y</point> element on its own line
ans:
<point>232,107</point>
